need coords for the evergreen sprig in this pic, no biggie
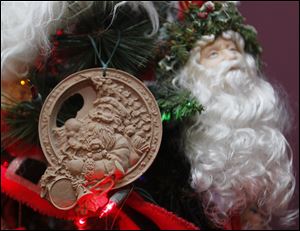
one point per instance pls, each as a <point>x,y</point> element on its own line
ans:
<point>72,50</point>
<point>132,54</point>
<point>22,120</point>
<point>175,104</point>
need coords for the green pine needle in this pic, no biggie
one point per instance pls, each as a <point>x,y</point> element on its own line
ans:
<point>22,119</point>
<point>175,104</point>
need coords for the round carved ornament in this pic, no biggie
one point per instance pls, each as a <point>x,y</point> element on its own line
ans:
<point>112,140</point>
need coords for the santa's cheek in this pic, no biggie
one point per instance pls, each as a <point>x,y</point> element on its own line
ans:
<point>211,63</point>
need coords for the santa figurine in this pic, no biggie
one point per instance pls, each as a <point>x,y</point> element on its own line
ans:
<point>240,160</point>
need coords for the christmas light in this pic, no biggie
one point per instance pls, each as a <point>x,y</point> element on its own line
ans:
<point>60,32</point>
<point>22,82</point>
<point>114,201</point>
<point>166,116</point>
<point>108,208</point>
<point>82,221</point>
<point>5,164</point>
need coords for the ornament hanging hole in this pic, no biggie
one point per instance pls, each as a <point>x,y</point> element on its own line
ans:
<point>69,109</point>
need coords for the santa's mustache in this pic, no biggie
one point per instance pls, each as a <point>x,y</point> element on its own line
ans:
<point>230,75</point>
<point>227,66</point>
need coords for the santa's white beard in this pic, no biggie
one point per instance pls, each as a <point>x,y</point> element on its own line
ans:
<point>236,148</point>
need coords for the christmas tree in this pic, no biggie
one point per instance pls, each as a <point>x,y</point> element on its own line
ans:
<point>154,42</point>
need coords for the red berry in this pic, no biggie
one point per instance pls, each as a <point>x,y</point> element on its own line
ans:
<point>202,15</point>
<point>209,8</point>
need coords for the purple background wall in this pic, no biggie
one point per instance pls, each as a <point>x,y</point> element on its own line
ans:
<point>277,24</point>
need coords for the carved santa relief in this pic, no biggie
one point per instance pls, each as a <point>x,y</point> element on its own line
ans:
<point>110,140</point>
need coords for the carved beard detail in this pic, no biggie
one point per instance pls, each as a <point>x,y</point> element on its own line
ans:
<point>105,151</point>
<point>101,139</point>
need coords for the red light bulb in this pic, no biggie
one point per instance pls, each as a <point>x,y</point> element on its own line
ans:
<point>108,208</point>
<point>5,164</point>
<point>82,221</point>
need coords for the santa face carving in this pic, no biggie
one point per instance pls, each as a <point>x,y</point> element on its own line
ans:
<point>114,137</point>
<point>220,50</point>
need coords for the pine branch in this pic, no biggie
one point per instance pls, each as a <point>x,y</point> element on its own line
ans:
<point>22,120</point>
<point>175,104</point>
<point>132,54</point>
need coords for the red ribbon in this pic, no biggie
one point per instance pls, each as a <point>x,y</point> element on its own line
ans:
<point>161,217</point>
<point>164,219</point>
